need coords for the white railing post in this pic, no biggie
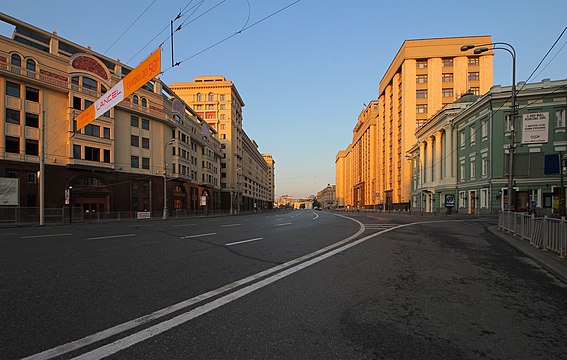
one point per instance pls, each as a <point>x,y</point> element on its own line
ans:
<point>545,232</point>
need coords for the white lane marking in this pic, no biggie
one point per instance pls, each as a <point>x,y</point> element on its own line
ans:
<point>283,224</point>
<point>115,330</point>
<point>45,235</point>
<point>194,236</point>
<point>179,225</point>
<point>316,215</point>
<point>243,241</point>
<point>230,225</point>
<point>147,225</point>
<point>110,237</point>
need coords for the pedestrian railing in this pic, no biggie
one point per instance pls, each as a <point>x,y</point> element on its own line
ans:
<point>545,233</point>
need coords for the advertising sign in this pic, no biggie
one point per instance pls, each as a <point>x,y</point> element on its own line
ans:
<point>449,200</point>
<point>147,70</point>
<point>203,200</point>
<point>535,128</point>
<point>9,190</point>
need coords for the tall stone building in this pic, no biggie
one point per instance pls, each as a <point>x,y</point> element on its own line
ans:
<point>271,176</point>
<point>424,76</point>
<point>245,174</point>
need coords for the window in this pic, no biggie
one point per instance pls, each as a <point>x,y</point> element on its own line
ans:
<point>211,97</point>
<point>473,61</point>
<point>560,118</point>
<point>221,97</point>
<point>144,102</point>
<point>462,170</point>
<point>106,156</point>
<point>447,77</point>
<point>32,178</point>
<point>75,80</point>
<point>77,103</point>
<point>473,168</point>
<point>210,115</point>
<point>484,167</point>
<point>12,89</point>
<point>16,60</point>
<point>146,163</point>
<point>508,123</point>
<point>223,106</point>
<point>421,64</point>
<point>32,94</point>
<point>92,130</point>
<point>32,147</point>
<point>87,103</point>
<point>90,84</point>
<point>106,133</point>
<point>12,144</point>
<point>421,79</point>
<point>199,97</point>
<point>146,143</point>
<point>12,116</point>
<point>76,151</point>
<point>146,124</point>
<point>484,129</point>
<point>134,121</point>
<point>134,161</point>
<point>223,126</point>
<point>30,64</point>
<point>484,198</point>
<point>473,76</point>
<point>448,92</point>
<point>473,135</point>
<point>421,108</point>
<point>134,140</point>
<point>222,116</point>
<point>135,99</point>
<point>92,154</point>
<point>421,94</point>
<point>32,120</point>
<point>463,139</point>
<point>447,62</point>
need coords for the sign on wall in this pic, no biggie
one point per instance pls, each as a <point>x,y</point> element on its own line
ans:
<point>535,128</point>
<point>9,190</point>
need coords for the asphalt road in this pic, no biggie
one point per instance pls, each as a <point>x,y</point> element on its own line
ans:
<point>295,285</point>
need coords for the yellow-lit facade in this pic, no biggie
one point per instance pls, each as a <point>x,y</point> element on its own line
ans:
<point>424,76</point>
<point>245,173</point>
<point>271,176</point>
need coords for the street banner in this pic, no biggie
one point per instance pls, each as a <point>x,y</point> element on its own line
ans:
<point>9,191</point>
<point>535,128</point>
<point>146,71</point>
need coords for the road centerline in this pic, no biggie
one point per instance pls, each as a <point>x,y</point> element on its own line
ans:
<point>284,224</point>
<point>110,236</point>
<point>230,225</point>
<point>44,235</point>
<point>198,235</point>
<point>243,241</point>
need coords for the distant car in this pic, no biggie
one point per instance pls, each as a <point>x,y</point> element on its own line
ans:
<point>316,208</point>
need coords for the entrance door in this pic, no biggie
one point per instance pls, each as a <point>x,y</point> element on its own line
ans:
<point>472,202</point>
<point>389,200</point>
<point>93,207</point>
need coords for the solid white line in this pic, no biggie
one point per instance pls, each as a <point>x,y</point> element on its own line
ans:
<point>194,236</point>
<point>110,236</point>
<point>242,242</point>
<point>46,235</point>
<point>120,328</point>
<point>229,225</point>
<point>282,224</point>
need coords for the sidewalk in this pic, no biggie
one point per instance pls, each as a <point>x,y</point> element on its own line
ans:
<point>546,259</point>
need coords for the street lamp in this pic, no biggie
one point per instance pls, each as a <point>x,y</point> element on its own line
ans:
<point>479,49</point>
<point>165,179</point>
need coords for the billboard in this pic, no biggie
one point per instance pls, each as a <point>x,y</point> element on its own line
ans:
<point>535,128</point>
<point>9,191</point>
<point>146,71</point>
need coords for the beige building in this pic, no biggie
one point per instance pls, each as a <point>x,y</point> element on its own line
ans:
<point>424,76</point>
<point>271,176</point>
<point>245,174</point>
<point>118,162</point>
<point>327,197</point>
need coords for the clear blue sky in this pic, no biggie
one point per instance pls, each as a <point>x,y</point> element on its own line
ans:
<point>305,72</point>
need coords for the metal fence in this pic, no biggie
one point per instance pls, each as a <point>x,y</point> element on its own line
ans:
<point>17,215</point>
<point>545,233</point>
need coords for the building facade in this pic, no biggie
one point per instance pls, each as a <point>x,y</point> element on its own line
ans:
<point>217,100</point>
<point>117,163</point>
<point>480,152</point>
<point>271,177</point>
<point>327,197</point>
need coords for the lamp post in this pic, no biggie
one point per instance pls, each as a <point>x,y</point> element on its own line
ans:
<point>165,178</point>
<point>478,49</point>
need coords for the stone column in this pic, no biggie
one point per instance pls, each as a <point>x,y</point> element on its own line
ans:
<point>422,164</point>
<point>449,151</point>
<point>439,156</point>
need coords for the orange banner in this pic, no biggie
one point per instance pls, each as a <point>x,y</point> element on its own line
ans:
<point>84,118</point>
<point>147,70</point>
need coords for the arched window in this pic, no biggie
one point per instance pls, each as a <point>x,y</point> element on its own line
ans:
<point>135,99</point>
<point>211,97</point>
<point>144,102</point>
<point>30,64</point>
<point>199,97</point>
<point>16,60</point>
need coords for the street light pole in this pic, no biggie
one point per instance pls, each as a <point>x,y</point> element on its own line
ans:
<point>165,178</point>
<point>510,49</point>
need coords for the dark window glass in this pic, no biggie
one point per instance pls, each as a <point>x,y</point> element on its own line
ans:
<point>32,147</point>
<point>30,65</point>
<point>145,163</point>
<point>89,83</point>
<point>135,99</point>
<point>16,60</point>
<point>92,154</point>
<point>12,89</point>
<point>106,132</point>
<point>107,156</point>
<point>103,89</point>
<point>76,151</point>
<point>92,130</point>
<point>145,143</point>
<point>134,121</point>
<point>134,140</point>
<point>75,80</point>
<point>134,161</point>
<point>12,116</point>
<point>146,124</point>
<point>88,103</point>
<point>32,94</point>
<point>144,102</point>
<point>12,144</point>
<point>32,120</point>
<point>77,103</point>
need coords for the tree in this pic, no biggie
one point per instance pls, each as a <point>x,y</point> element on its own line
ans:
<point>316,204</point>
